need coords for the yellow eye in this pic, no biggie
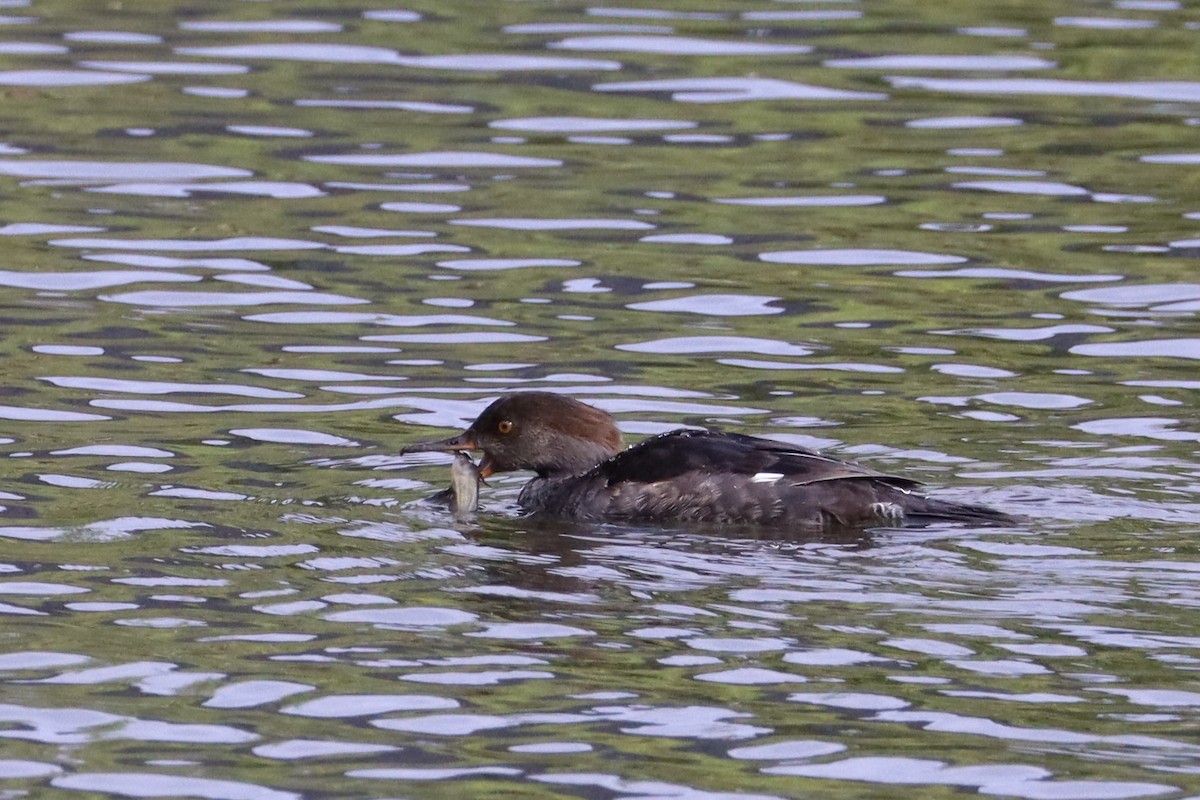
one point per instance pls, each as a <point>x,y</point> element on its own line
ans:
<point>505,426</point>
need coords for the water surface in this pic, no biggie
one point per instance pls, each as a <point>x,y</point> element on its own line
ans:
<point>256,248</point>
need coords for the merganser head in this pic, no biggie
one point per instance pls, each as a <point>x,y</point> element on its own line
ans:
<point>550,434</point>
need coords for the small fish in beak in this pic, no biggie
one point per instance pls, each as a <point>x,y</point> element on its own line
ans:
<point>465,478</point>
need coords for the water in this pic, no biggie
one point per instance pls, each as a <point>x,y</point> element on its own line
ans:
<point>253,249</point>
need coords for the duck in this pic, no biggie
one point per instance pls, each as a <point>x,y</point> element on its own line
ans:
<point>582,471</point>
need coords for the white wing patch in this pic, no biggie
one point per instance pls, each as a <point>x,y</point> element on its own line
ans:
<point>889,512</point>
<point>766,477</point>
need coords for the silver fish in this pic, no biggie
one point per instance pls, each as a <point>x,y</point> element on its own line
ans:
<point>464,486</point>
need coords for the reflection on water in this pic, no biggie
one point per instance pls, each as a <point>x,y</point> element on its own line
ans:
<point>252,253</point>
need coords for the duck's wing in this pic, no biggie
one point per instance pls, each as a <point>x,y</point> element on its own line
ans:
<point>671,455</point>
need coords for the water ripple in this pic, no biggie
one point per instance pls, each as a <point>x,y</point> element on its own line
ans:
<point>234,243</point>
<point>857,257</point>
<point>1168,91</point>
<point>362,54</point>
<point>167,67</point>
<point>67,77</point>
<point>149,784</point>
<point>260,26</point>
<point>115,170</point>
<point>718,305</point>
<point>678,46</point>
<point>528,224</point>
<point>85,281</point>
<point>200,299</point>
<point>974,63</point>
<point>734,90</point>
<point>451,159</point>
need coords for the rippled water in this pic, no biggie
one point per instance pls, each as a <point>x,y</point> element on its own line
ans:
<point>254,248</point>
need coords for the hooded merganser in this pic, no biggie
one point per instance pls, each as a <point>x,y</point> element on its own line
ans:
<point>686,475</point>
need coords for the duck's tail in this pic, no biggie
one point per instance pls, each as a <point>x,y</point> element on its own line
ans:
<point>920,510</point>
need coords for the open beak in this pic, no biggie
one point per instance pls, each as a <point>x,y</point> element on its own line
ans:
<point>463,441</point>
